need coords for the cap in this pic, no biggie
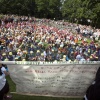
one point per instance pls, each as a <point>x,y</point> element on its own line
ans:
<point>91,57</point>
<point>64,56</point>
<point>42,54</point>
<point>10,53</point>
<point>6,59</point>
<point>18,50</point>
<point>61,46</point>
<point>4,54</point>
<point>31,51</point>
<point>24,51</point>
<point>52,50</point>
<point>96,57</point>
<point>38,51</point>
<point>23,59</point>
<point>53,44</point>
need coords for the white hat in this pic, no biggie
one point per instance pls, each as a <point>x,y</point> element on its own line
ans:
<point>4,54</point>
<point>31,51</point>
<point>64,56</point>
<point>6,59</point>
<point>61,46</point>
<point>42,54</point>
<point>38,51</point>
<point>19,50</point>
<point>10,53</point>
<point>52,49</point>
<point>53,44</point>
<point>23,60</point>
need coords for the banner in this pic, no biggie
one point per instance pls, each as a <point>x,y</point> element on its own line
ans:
<point>60,80</point>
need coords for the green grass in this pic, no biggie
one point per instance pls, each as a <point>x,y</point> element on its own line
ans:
<point>23,97</point>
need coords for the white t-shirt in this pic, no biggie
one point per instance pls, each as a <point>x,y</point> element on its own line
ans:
<point>2,78</point>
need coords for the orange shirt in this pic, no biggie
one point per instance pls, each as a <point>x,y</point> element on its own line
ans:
<point>76,40</point>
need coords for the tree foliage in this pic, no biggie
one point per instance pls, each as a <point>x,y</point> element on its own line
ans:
<point>82,11</point>
<point>79,11</point>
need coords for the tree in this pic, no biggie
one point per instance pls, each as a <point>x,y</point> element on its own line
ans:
<point>48,8</point>
<point>54,8</point>
<point>42,8</point>
<point>70,9</point>
<point>82,11</point>
<point>79,11</point>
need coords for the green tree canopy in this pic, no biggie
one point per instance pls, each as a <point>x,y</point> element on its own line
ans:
<point>79,11</point>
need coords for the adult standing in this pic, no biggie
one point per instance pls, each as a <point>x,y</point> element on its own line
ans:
<point>93,92</point>
<point>4,86</point>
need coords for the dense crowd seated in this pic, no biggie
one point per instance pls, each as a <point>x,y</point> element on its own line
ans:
<point>25,38</point>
